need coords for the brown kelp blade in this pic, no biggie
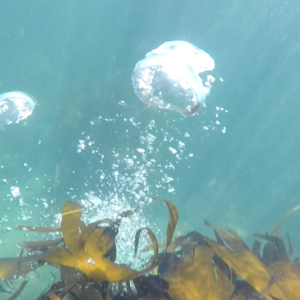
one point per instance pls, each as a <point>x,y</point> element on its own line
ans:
<point>52,296</point>
<point>101,239</point>
<point>92,264</point>
<point>91,260</point>
<point>290,245</point>
<point>153,240</point>
<point>194,276</point>
<point>150,286</point>
<point>14,267</point>
<point>290,286</point>
<point>238,239</point>
<point>56,287</point>
<point>233,240</point>
<point>3,290</point>
<point>283,276</point>
<point>67,289</point>
<point>18,292</point>
<point>274,249</point>
<point>279,224</point>
<point>178,239</point>
<point>40,245</point>
<point>173,218</point>
<point>172,222</point>
<point>69,277</point>
<point>38,228</point>
<point>113,225</point>
<point>85,232</point>
<point>70,225</point>
<point>256,249</point>
<point>247,266</point>
<point>91,244</point>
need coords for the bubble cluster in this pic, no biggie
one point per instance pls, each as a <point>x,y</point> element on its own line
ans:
<point>127,177</point>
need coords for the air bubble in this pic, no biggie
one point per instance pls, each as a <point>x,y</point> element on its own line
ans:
<point>15,191</point>
<point>172,150</point>
<point>129,163</point>
<point>15,107</point>
<point>168,77</point>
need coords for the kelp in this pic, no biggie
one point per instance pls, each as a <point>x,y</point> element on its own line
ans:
<point>87,247</point>
<point>36,246</point>
<point>15,267</point>
<point>38,229</point>
<point>194,276</point>
<point>183,267</point>
<point>18,292</point>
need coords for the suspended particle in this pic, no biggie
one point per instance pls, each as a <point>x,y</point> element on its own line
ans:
<point>15,191</point>
<point>181,146</point>
<point>172,150</point>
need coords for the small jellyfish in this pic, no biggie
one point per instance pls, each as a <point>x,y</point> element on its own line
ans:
<point>15,107</point>
<point>168,77</point>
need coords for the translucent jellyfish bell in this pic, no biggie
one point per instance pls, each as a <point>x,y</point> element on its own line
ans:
<point>15,107</point>
<point>168,77</point>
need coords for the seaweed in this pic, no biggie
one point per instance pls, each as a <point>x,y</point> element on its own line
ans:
<point>183,267</point>
<point>18,292</point>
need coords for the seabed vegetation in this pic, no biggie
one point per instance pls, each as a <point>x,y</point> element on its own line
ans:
<point>191,266</point>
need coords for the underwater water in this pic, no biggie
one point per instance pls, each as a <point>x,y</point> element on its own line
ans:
<point>91,140</point>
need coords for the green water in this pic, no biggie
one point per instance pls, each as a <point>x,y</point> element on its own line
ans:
<point>77,57</point>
